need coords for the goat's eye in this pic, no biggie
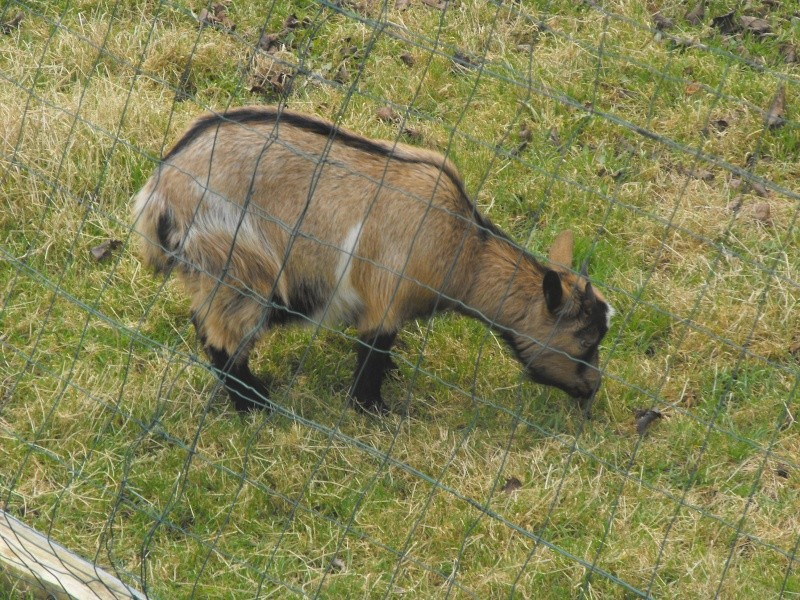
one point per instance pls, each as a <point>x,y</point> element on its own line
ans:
<point>586,344</point>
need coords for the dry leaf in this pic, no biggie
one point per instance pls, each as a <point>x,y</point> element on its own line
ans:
<point>387,113</point>
<point>269,42</point>
<point>415,135</point>
<point>725,23</point>
<point>291,22</point>
<point>720,124</point>
<point>789,53</point>
<point>511,485</point>
<point>217,18</point>
<point>462,60</point>
<point>644,418</point>
<point>408,59</point>
<point>760,27</point>
<point>759,189</point>
<point>437,4</point>
<point>337,564</point>
<point>774,117</point>
<point>782,471</point>
<point>342,75</point>
<point>402,4</point>
<point>12,24</point>
<point>525,136</point>
<point>661,22</point>
<point>700,174</point>
<point>695,16</point>
<point>736,204</point>
<point>103,251</point>
<point>762,212</point>
<point>552,135</point>
<point>693,88</point>
<point>349,51</point>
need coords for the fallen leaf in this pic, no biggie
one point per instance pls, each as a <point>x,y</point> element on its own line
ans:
<point>349,51</point>
<point>700,174</point>
<point>688,398</point>
<point>736,204</point>
<point>525,133</point>
<point>437,4</point>
<point>186,87</point>
<point>525,136</point>
<point>402,4</point>
<point>462,60</point>
<point>789,53</point>
<point>794,349</point>
<point>683,43</point>
<point>217,18</point>
<point>12,24</point>
<point>725,23</point>
<point>387,113</point>
<point>337,564</point>
<point>774,117</point>
<point>661,22</point>
<point>103,251</point>
<point>782,471</point>
<point>693,87</point>
<point>342,75</point>
<point>615,175</point>
<point>291,22</point>
<point>408,59</point>
<point>762,212</point>
<point>759,189</point>
<point>415,135</point>
<point>552,135</point>
<point>720,124</point>
<point>645,417</point>
<point>695,16</point>
<point>759,27</point>
<point>511,485</point>
<point>269,42</point>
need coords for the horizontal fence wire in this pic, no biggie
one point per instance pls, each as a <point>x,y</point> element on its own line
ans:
<point>666,141</point>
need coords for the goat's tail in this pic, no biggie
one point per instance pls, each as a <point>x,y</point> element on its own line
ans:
<point>154,223</point>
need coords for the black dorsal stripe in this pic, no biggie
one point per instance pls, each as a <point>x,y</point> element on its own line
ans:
<point>261,115</point>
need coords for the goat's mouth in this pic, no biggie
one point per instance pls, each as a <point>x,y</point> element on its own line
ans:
<point>583,391</point>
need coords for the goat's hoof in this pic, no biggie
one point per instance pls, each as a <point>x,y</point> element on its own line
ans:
<point>370,406</point>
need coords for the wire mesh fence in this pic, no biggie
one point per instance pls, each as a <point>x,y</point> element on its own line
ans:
<point>667,142</point>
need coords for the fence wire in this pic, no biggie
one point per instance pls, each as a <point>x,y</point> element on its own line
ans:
<point>667,141</point>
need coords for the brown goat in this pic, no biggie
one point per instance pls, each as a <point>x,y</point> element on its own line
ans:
<point>270,216</point>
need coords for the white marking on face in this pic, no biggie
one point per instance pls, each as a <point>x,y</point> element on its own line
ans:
<point>610,312</point>
<point>345,301</point>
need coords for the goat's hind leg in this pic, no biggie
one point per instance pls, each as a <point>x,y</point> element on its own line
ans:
<point>246,391</point>
<point>227,340</point>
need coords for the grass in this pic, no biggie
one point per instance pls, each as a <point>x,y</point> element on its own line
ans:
<point>116,441</point>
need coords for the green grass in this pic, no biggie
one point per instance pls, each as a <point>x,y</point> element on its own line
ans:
<point>115,439</point>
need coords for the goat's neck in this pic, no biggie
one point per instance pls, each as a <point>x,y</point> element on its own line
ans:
<point>505,281</point>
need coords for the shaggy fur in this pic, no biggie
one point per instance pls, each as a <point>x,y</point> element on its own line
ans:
<point>269,216</point>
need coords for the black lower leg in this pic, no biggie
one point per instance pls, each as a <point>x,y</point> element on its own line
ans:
<point>373,360</point>
<point>246,391</point>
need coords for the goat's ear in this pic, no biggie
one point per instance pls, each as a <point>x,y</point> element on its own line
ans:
<point>553,292</point>
<point>561,251</point>
<point>589,297</point>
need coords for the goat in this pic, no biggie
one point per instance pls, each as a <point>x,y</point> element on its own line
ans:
<point>270,216</point>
